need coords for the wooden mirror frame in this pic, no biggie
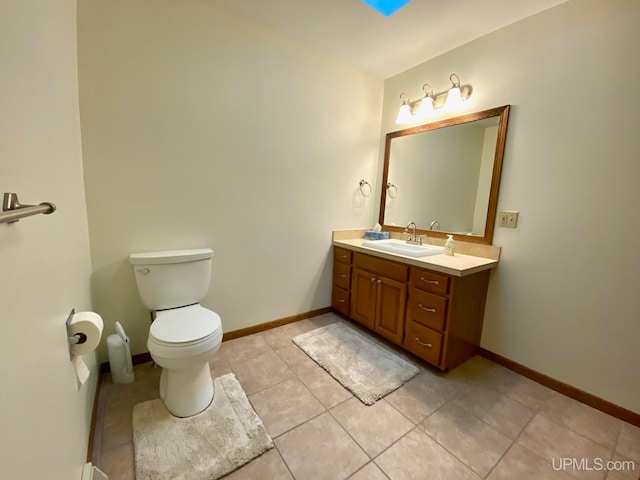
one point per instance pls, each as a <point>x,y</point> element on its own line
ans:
<point>503,114</point>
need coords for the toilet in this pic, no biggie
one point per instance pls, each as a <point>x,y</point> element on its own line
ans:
<point>183,335</point>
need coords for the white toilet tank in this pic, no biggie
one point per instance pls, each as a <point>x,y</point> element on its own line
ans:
<point>173,278</point>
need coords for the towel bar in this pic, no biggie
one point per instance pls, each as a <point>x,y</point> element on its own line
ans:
<point>12,210</point>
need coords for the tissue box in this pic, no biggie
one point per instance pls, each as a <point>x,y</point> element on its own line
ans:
<point>371,235</point>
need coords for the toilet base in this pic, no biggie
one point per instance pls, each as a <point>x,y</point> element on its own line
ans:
<point>186,392</point>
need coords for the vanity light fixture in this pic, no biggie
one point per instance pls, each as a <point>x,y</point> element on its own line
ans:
<point>454,99</point>
<point>404,115</point>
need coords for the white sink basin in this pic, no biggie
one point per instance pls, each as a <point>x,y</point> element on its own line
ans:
<point>403,248</point>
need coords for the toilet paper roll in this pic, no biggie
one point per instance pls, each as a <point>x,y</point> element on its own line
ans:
<point>82,371</point>
<point>89,325</point>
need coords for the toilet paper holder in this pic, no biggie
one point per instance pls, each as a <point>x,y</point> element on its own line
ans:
<point>77,339</point>
<point>84,331</point>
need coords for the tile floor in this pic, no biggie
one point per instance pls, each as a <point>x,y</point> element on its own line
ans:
<point>479,421</point>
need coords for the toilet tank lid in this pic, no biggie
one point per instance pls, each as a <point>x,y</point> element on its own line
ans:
<point>170,256</point>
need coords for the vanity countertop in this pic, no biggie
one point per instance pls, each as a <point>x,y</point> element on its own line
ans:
<point>458,265</point>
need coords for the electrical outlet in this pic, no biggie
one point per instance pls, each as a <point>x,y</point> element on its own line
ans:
<point>508,219</point>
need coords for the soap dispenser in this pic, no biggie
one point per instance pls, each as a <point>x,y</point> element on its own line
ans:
<point>449,247</point>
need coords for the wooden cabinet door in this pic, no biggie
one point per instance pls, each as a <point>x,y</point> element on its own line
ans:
<point>390,309</point>
<point>364,297</point>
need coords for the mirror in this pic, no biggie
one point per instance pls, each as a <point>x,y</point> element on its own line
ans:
<point>445,176</point>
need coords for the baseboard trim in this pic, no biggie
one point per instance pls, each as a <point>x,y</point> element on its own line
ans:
<point>564,388</point>
<point>243,332</point>
<point>94,416</point>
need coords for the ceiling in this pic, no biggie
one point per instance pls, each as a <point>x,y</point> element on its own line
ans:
<point>385,46</point>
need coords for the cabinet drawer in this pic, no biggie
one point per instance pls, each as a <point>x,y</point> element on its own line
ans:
<point>424,342</point>
<point>342,255</point>
<point>384,268</point>
<point>340,300</point>
<point>429,281</point>
<point>428,309</point>
<point>342,275</point>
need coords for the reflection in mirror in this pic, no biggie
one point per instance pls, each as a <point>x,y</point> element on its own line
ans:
<point>445,176</point>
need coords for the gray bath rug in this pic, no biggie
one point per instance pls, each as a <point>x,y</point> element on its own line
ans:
<point>225,436</point>
<point>365,368</point>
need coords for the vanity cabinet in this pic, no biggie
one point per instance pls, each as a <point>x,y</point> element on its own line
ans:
<point>378,295</point>
<point>341,293</point>
<point>445,315</point>
<point>436,316</point>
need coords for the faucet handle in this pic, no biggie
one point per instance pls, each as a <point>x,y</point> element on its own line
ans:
<point>421,238</point>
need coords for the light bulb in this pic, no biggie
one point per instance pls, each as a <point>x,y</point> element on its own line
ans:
<point>404,114</point>
<point>454,99</point>
<point>425,109</point>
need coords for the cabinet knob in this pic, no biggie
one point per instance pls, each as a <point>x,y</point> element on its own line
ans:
<point>427,309</point>
<point>373,279</point>
<point>342,275</point>
<point>428,345</point>
<point>379,281</point>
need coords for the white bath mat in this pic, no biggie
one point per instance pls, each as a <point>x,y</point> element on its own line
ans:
<point>364,367</point>
<point>225,436</point>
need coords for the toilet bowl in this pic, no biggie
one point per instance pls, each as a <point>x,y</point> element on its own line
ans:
<point>183,335</point>
<point>182,341</point>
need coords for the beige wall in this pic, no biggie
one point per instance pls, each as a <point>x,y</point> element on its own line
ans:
<point>564,300</point>
<point>203,130</point>
<point>45,262</point>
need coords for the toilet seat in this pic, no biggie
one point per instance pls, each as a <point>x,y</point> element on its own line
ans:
<point>184,332</point>
<point>184,326</point>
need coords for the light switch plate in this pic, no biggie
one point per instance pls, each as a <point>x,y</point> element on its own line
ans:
<point>508,219</point>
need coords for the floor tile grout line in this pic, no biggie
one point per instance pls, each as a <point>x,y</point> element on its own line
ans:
<point>546,460</point>
<point>396,408</point>
<point>573,431</point>
<point>451,400</point>
<point>615,447</point>
<point>297,377</point>
<point>392,444</point>
<point>339,425</point>
<point>283,460</point>
<point>514,442</point>
<point>325,409</point>
<point>349,433</point>
<point>284,432</point>
<point>454,399</point>
<point>370,462</point>
<point>453,454</point>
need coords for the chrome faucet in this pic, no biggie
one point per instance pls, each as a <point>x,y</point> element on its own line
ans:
<point>413,238</point>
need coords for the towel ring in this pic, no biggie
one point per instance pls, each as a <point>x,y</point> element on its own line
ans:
<point>391,186</point>
<point>363,190</point>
